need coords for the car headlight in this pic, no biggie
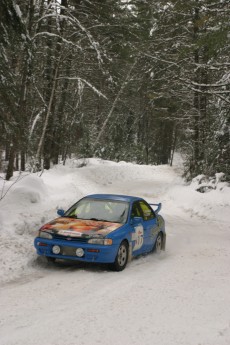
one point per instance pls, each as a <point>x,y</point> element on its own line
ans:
<point>101,241</point>
<point>44,234</point>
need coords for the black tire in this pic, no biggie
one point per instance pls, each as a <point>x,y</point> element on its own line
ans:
<point>158,243</point>
<point>121,258</point>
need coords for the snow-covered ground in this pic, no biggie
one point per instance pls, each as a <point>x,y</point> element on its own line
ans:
<point>181,297</point>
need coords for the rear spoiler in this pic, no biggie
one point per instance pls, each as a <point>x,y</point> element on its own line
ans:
<point>158,207</point>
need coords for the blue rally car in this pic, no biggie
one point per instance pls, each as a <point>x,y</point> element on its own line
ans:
<point>103,228</point>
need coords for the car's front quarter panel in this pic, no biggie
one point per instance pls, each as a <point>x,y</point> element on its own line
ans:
<point>121,234</point>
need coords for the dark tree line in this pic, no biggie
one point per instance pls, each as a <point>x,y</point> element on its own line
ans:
<point>130,80</point>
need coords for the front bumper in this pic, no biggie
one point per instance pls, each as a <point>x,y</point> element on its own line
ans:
<point>92,252</point>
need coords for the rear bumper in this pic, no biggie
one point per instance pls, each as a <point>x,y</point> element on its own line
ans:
<point>92,253</point>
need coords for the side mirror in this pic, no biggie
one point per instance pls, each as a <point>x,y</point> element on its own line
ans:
<point>136,220</point>
<point>60,212</point>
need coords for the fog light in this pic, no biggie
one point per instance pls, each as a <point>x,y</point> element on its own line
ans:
<point>56,249</point>
<point>80,252</point>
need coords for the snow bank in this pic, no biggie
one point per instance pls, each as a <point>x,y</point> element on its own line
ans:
<point>20,216</point>
<point>211,204</point>
<point>21,198</point>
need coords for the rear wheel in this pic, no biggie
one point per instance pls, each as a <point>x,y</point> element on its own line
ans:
<point>158,244</point>
<point>121,258</point>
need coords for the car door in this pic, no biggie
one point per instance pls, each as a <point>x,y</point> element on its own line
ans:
<point>150,225</point>
<point>137,236</point>
<point>145,229</point>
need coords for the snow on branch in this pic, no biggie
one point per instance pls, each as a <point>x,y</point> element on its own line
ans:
<point>160,59</point>
<point>224,81</point>
<point>99,93</point>
<point>58,36</point>
<point>124,84</point>
<point>37,117</point>
<point>209,85</point>
<point>94,44</point>
<point>71,18</point>
<point>215,93</point>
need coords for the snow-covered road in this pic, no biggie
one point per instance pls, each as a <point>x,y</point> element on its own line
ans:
<point>181,297</point>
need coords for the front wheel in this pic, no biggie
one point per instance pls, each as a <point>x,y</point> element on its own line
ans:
<point>121,258</point>
<point>158,244</point>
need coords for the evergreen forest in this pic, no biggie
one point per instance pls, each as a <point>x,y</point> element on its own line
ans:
<point>130,80</point>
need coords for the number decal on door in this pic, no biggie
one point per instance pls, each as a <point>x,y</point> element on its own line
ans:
<point>137,237</point>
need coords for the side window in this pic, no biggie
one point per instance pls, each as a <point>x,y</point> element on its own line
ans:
<point>146,210</point>
<point>135,210</point>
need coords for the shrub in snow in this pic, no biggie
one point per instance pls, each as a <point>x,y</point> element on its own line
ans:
<point>203,184</point>
<point>77,163</point>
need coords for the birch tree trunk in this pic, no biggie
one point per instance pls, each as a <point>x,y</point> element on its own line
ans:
<point>48,114</point>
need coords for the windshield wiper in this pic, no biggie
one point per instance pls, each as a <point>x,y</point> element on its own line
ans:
<point>75,217</point>
<point>99,220</point>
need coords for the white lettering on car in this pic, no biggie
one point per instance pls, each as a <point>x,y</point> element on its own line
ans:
<point>70,233</point>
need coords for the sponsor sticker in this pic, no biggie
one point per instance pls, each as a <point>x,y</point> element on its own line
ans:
<point>137,237</point>
<point>69,233</point>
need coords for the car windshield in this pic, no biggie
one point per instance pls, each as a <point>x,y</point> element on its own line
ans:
<point>104,210</point>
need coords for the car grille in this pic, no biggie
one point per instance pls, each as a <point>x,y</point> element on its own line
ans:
<point>70,251</point>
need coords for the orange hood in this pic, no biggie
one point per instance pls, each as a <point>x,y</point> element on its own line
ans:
<point>79,227</point>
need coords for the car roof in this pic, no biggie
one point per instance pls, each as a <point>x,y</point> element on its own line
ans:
<point>126,198</point>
